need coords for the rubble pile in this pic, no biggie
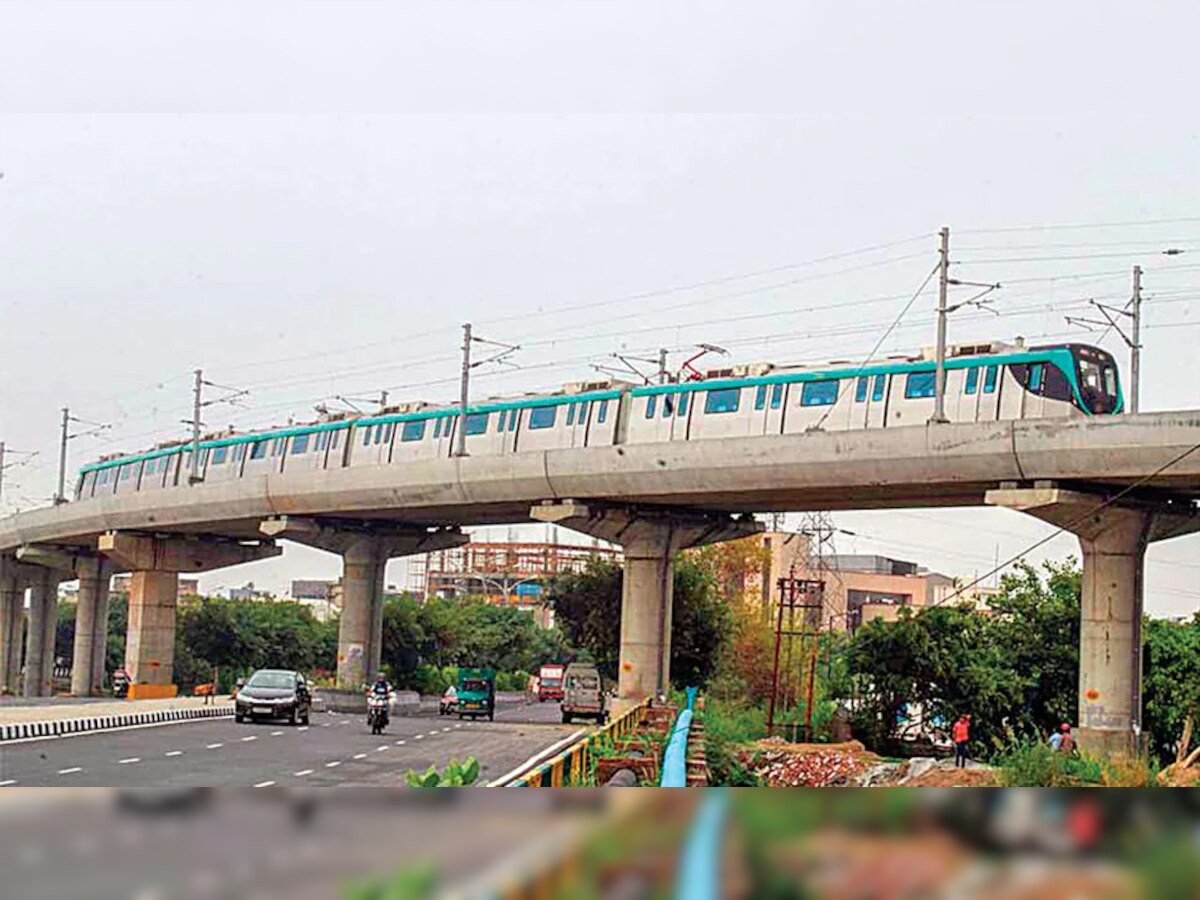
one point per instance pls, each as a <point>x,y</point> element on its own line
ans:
<point>777,763</point>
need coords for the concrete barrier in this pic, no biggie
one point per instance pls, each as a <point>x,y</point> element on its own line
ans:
<point>58,727</point>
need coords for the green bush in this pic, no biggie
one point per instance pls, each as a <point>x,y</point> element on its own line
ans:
<point>727,725</point>
<point>456,775</point>
<point>1034,764</point>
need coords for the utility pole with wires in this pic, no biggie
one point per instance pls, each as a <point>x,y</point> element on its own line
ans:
<point>945,282</point>
<point>1112,322</point>
<point>65,436</point>
<point>5,464</point>
<point>469,338</point>
<point>198,405</point>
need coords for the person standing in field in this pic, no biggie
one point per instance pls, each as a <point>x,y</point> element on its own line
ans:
<point>961,735</point>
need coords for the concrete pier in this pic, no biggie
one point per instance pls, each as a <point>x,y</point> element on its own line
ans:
<point>1113,539</point>
<point>365,548</point>
<point>12,629</point>
<point>91,628</point>
<point>39,644</point>
<point>650,538</point>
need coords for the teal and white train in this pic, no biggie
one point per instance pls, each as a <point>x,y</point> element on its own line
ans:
<point>989,382</point>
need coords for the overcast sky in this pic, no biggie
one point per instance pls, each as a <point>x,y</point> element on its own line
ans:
<point>307,200</point>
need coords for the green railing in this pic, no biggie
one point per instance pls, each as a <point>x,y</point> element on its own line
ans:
<point>572,764</point>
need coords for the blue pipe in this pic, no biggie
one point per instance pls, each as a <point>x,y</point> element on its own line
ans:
<point>674,766</point>
<point>699,864</point>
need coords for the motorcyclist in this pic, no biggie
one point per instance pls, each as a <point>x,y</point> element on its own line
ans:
<point>380,692</point>
<point>381,687</point>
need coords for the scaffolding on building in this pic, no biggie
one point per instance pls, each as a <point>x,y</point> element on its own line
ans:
<point>500,572</point>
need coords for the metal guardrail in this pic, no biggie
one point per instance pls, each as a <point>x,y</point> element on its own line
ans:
<point>573,763</point>
<point>674,764</point>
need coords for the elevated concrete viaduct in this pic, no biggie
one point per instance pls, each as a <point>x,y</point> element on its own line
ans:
<point>631,492</point>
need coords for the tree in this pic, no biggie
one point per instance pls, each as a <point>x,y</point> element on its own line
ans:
<point>587,605</point>
<point>1171,682</point>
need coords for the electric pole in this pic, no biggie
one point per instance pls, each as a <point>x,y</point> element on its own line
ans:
<point>939,401</point>
<point>197,394</point>
<point>1,472</point>
<point>60,494</point>
<point>1135,363</point>
<point>663,376</point>
<point>460,438</point>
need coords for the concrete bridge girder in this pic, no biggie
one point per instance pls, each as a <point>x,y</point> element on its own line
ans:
<point>649,538</point>
<point>1113,538</point>
<point>365,549</point>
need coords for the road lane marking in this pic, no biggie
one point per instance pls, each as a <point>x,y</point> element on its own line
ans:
<point>7,783</point>
<point>276,733</point>
<point>360,756</point>
<point>129,761</point>
<point>333,765</point>
<point>70,771</point>
<point>265,784</point>
<point>445,729</point>
<point>344,722</point>
<point>325,724</point>
<point>459,725</point>
<point>302,773</point>
<point>399,743</point>
<point>302,728</point>
<point>174,753</point>
<point>247,740</point>
<point>214,746</point>
<point>381,749</point>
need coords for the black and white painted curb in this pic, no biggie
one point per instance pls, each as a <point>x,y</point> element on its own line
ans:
<point>57,727</point>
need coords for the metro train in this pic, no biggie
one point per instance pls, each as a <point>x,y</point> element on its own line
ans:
<point>984,382</point>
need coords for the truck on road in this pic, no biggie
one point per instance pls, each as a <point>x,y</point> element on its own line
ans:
<point>550,682</point>
<point>476,693</point>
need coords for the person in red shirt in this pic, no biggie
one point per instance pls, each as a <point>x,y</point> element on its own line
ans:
<point>961,734</point>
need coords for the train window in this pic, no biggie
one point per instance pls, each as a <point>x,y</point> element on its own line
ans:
<point>570,413</point>
<point>300,443</point>
<point>514,416</point>
<point>681,406</point>
<point>972,385</point>
<point>477,423</point>
<point>602,411</point>
<point>219,455</point>
<point>879,389</point>
<point>102,477</point>
<point>990,378</point>
<point>668,406</point>
<point>322,440</point>
<point>583,411</point>
<point>542,417</point>
<point>239,452</point>
<point>920,384</point>
<point>388,430</point>
<point>820,393</point>
<point>126,471</point>
<point>1036,372</point>
<point>150,466</point>
<point>437,428</point>
<point>412,431</point>
<point>333,441</point>
<point>502,420</point>
<point>1110,381</point>
<point>259,450</point>
<point>776,396</point>
<point>760,397</point>
<point>722,401</point>
<point>366,437</point>
<point>860,390</point>
<point>651,405</point>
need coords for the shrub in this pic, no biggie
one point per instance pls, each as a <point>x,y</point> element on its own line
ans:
<point>1035,764</point>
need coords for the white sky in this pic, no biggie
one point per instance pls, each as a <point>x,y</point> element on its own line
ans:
<point>308,199</point>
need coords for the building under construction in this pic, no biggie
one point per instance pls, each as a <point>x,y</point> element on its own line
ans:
<point>505,573</point>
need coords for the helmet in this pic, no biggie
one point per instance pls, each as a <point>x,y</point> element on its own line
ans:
<point>1065,726</point>
<point>380,676</point>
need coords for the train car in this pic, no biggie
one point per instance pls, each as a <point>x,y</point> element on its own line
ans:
<point>984,383</point>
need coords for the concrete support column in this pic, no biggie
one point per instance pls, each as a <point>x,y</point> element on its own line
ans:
<point>1113,539</point>
<point>39,645</point>
<point>12,633</point>
<point>91,628</point>
<point>365,548</point>
<point>650,538</point>
<point>150,640</point>
<point>360,631</point>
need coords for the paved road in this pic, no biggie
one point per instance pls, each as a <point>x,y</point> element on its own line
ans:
<point>336,750</point>
<point>247,843</point>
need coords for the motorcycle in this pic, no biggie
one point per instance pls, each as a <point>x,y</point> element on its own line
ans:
<point>377,713</point>
<point>120,684</point>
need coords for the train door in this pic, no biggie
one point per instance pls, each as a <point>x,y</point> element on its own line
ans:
<point>769,406</point>
<point>1011,402</point>
<point>507,424</point>
<point>968,403</point>
<point>877,387</point>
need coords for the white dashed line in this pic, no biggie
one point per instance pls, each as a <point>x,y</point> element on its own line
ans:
<point>302,728</point>
<point>214,746</point>
<point>276,733</point>
<point>418,737</point>
<point>174,753</point>
<point>445,729</point>
<point>247,740</point>
<point>381,749</point>
<point>70,771</point>
<point>399,743</point>
<point>326,724</point>
<point>129,761</point>
<point>344,722</point>
<point>302,773</point>
<point>360,756</point>
<point>333,765</point>
<point>265,784</point>
<point>459,725</point>
<point>7,783</point>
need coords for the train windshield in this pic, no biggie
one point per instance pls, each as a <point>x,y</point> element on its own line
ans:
<point>1098,381</point>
